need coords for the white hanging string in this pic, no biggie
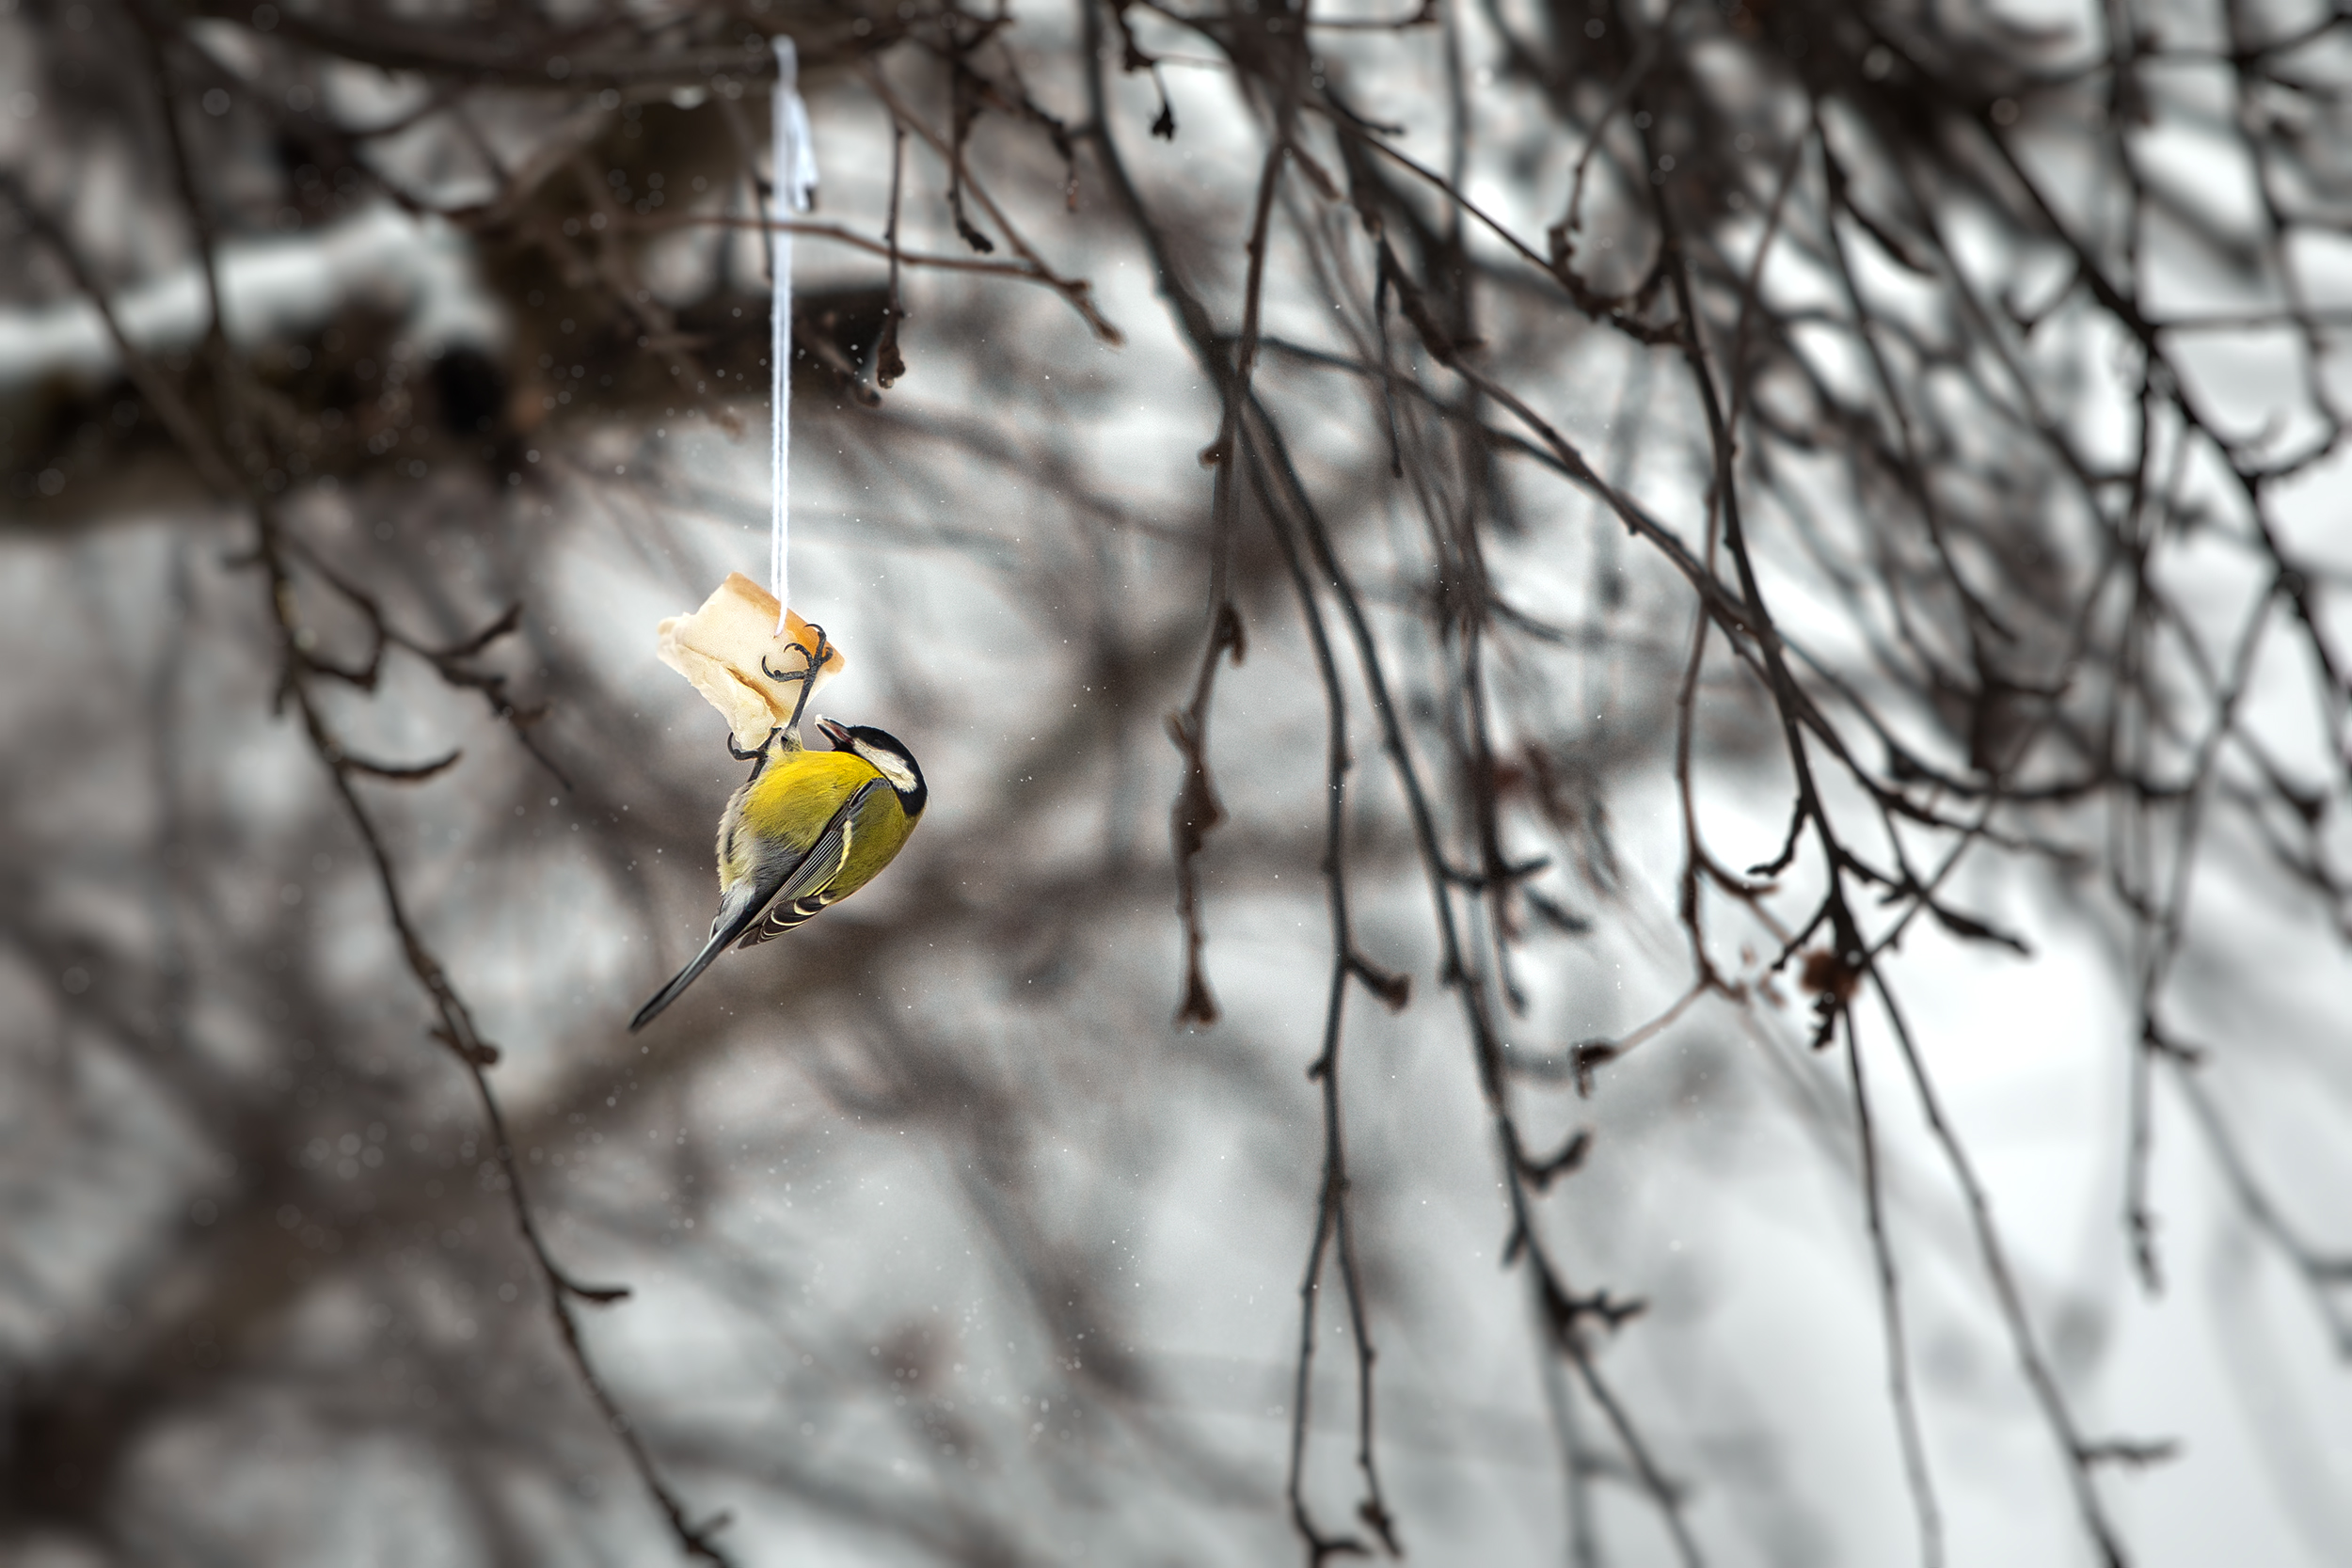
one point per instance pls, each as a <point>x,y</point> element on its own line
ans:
<point>795,176</point>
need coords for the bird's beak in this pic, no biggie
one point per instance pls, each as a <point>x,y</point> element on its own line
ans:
<point>836,732</point>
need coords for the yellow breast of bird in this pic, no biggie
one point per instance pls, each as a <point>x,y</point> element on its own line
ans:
<point>795,796</point>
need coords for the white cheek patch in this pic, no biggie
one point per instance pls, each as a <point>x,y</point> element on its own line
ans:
<point>901,777</point>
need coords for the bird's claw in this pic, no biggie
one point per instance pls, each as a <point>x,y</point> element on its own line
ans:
<point>807,678</point>
<point>815,660</point>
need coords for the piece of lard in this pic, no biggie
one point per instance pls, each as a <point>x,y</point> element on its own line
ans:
<point>728,649</point>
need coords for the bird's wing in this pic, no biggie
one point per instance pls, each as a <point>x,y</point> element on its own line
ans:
<point>809,889</point>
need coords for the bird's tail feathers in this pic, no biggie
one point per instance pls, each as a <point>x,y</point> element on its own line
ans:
<point>723,931</point>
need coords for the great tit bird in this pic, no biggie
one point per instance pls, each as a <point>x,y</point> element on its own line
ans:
<point>806,830</point>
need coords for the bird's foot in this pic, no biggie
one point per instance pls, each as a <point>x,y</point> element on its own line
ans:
<point>815,660</point>
<point>754,753</point>
<point>808,677</point>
